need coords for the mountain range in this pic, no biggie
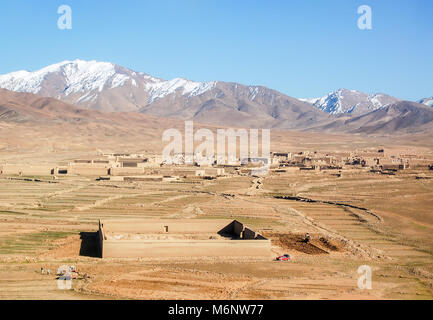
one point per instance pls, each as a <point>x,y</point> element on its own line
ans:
<point>107,87</point>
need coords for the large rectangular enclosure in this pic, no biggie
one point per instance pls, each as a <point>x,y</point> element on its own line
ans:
<point>179,238</point>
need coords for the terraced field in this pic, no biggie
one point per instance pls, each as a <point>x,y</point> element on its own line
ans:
<point>47,223</point>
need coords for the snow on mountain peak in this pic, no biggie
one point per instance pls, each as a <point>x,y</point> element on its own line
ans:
<point>426,101</point>
<point>83,76</point>
<point>89,78</point>
<point>160,88</point>
<point>350,101</point>
<point>79,76</point>
<point>309,100</point>
<point>332,102</point>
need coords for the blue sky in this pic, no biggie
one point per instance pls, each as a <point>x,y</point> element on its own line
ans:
<point>303,48</point>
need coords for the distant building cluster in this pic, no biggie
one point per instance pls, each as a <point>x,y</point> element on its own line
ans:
<point>374,160</point>
<point>150,167</point>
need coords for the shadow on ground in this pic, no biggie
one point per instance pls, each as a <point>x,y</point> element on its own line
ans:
<point>90,245</point>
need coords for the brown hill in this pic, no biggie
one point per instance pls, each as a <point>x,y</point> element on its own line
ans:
<point>31,122</point>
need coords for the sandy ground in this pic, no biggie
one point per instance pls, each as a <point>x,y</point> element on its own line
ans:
<point>49,225</point>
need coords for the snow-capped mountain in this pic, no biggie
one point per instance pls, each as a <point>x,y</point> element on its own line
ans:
<point>99,85</point>
<point>426,101</point>
<point>351,102</point>
<point>401,117</point>
<point>105,86</point>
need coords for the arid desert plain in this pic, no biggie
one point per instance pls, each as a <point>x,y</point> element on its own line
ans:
<point>357,213</point>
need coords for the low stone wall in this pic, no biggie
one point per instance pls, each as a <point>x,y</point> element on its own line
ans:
<point>125,171</point>
<point>143,178</point>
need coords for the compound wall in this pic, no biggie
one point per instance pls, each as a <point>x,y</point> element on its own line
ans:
<point>186,248</point>
<point>27,170</point>
<point>252,244</point>
<point>87,170</point>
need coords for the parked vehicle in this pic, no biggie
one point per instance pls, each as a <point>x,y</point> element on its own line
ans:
<point>284,257</point>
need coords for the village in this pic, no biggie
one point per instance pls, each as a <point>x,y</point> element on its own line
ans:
<point>151,167</point>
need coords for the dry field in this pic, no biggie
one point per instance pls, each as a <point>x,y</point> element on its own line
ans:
<point>48,223</point>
